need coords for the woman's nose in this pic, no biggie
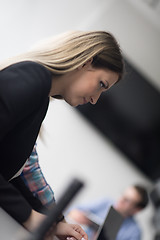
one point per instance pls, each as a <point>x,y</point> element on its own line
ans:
<point>94,99</point>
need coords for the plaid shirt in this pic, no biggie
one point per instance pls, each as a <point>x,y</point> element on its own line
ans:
<point>35,180</point>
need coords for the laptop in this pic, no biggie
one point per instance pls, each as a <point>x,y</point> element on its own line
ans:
<point>110,226</point>
<point>98,230</point>
<point>12,230</point>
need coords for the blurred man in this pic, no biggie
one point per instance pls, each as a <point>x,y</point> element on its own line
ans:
<point>132,201</point>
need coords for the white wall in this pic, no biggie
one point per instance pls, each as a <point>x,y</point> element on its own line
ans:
<point>72,146</point>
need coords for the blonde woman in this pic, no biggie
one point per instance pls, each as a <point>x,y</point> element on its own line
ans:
<point>77,67</point>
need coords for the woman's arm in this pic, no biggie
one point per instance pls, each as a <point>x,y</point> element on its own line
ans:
<point>61,230</point>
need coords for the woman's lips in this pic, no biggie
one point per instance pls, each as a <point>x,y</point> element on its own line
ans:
<point>85,100</point>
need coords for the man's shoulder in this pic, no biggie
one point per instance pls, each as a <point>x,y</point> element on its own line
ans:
<point>107,201</point>
<point>132,224</point>
<point>129,230</point>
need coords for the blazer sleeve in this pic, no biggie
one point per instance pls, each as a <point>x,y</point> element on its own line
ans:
<point>13,202</point>
<point>23,88</point>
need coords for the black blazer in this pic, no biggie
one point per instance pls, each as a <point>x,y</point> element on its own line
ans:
<point>24,90</point>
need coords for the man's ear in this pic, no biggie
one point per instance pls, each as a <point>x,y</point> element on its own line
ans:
<point>137,210</point>
<point>86,64</point>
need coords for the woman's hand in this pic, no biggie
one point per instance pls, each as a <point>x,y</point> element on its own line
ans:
<point>70,232</point>
<point>34,221</point>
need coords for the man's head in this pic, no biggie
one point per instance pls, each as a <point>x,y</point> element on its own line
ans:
<point>133,200</point>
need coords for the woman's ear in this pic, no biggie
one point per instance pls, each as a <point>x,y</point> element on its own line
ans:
<point>86,64</point>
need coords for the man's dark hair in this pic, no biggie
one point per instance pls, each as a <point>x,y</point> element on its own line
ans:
<point>143,194</point>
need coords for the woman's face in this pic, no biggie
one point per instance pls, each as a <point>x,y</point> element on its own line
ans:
<point>87,84</point>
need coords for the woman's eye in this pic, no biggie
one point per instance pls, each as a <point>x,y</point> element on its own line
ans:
<point>103,85</point>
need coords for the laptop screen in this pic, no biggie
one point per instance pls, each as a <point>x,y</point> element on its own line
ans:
<point>111,226</point>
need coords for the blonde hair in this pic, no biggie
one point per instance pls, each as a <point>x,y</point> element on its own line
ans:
<point>70,50</point>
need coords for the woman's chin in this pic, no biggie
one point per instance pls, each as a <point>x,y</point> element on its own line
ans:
<point>74,105</point>
<point>71,103</point>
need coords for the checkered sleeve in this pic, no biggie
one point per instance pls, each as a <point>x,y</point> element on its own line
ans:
<point>35,180</point>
